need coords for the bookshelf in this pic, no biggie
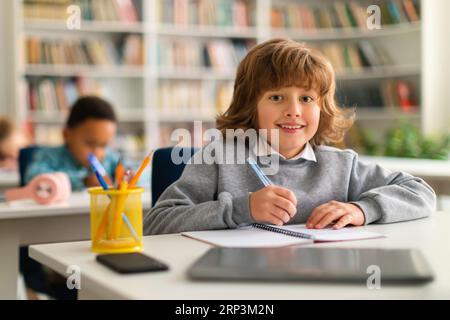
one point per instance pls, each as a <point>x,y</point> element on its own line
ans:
<point>55,64</point>
<point>190,50</point>
<point>377,71</point>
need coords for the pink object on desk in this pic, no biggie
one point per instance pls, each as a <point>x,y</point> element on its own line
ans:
<point>44,189</point>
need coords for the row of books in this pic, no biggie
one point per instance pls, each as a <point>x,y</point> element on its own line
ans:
<point>126,11</point>
<point>226,54</point>
<point>89,51</point>
<point>340,14</point>
<point>355,55</point>
<point>50,95</point>
<point>183,99</point>
<point>218,54</point>
<point>236,13</point>
<point>190,99</point>
<point>389,94</point>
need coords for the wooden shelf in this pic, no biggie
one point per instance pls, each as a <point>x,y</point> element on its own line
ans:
<point>44,117</point>
<point>378,72</point>
<point>94,71</point>
<point>346,33</point>
<point>194,74</point>
<point>206,31</point>
<point>58,117</point>
<point>190,118</point>
<point>86,26</point>
<point>384,113</point>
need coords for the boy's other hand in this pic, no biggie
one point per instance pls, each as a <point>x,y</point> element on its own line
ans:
<point>273,204</point>
<point>334,211</point>
<point>92,181</point>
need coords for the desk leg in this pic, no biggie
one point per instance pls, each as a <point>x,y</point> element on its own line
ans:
<point>16,232</point>
<point>9,265</point>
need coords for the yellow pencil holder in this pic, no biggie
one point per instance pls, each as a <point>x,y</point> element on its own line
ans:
<point>116,220</point>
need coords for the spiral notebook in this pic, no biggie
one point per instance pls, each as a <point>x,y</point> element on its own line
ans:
<point>263,235</point>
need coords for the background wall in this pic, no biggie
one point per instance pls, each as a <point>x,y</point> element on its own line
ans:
<point>436,65</point>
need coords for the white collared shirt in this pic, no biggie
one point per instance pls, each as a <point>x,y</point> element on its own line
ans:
<point>265,149</point>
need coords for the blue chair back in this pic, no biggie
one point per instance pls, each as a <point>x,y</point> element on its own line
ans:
<point>25,159</point>
<point>164,171</point>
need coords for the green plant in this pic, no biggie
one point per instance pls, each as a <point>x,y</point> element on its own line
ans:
<point>407,141</point>
<point>403,141</point>
<point>369,142</point>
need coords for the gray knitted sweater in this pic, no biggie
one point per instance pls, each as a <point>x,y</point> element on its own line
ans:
<point>216,196</point>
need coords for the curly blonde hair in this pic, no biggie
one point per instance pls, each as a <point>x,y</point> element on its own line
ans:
<point>278,63</point>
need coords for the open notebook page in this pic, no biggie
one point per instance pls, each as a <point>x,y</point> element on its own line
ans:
<point>245,237</point>
<point>329,234</point>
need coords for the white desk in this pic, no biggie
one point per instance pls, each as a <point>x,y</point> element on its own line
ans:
<point>435,172</point>
<point>438,169</point>
<point>25,222</point>
<point>8,179</point>
<point>430,235</point>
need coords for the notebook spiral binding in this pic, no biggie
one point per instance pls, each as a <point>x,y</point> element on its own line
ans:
<point>282,231</point>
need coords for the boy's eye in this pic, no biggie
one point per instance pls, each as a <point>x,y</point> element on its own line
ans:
<point>276,97</point>
<point>306,99</point>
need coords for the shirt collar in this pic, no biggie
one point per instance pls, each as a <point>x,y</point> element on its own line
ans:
<point>265,150</point>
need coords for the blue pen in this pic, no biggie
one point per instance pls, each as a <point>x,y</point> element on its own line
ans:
<point>264,179</point>
<point>98,170</point>
<point>101,180</point>
<point>130,227</point>
<point>97,167</point>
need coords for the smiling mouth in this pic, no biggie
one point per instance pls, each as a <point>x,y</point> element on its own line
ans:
<point>290,127</point>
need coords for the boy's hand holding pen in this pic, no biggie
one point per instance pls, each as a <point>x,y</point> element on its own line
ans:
<point>277,205</point>
<point>271,204</point>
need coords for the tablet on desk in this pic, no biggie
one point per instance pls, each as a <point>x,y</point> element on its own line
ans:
<point>312,264</point>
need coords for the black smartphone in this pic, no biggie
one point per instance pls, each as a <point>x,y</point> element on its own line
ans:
<point>131,262</point>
